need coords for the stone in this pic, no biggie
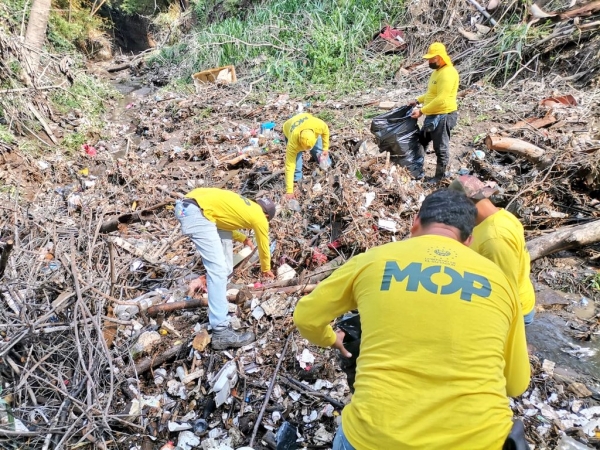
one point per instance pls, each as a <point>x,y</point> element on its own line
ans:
<point>201,340</point>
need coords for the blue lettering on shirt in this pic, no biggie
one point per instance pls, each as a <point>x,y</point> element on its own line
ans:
<point>468,284</point>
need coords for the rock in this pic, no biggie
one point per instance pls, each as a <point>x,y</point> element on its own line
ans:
<point>201,340</point>
<point>580,390</point>
<point>145,342</point>
<point>386,105</point>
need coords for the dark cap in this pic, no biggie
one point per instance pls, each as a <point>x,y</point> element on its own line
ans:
<point>267,206</point>
<point>474,188</point>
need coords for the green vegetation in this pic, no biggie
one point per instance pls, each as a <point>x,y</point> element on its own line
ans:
<point>5,135</point>
<point>292,43</point>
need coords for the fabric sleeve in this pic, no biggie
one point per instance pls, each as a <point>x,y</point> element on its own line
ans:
<point>325,136</point>
<point>332,297</point>
<point>420,98</point>
<point>517,370</point>
<point>290,167</point>
<point>261,232</point>
<point>505,256</point>
<point>446,82</point>
<point>238,236</point>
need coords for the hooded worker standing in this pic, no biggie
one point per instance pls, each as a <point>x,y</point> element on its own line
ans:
<point>211,217</point>
<point>439,106</point>
<point>303,132</point>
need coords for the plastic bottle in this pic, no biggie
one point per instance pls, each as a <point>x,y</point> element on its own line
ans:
<point>324,162</point>
<point>294,205</point>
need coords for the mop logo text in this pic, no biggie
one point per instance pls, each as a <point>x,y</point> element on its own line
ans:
<point>467,283</point>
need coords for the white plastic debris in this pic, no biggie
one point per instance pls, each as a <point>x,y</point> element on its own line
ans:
<point>305,358</point>
<point>223,381</point>
<point>311,417</point>
<point>294,395</point>
<point>176,426</point>
<point>369,197</point>
<point>388,225</point>
<point>548,366</point>
<point>187,440</point>
<point>323,435</point>
<point>258,313</point>
<point>285,272</point>
<point>275,417</point>
<point>159,376</point>
<point>317,188</point>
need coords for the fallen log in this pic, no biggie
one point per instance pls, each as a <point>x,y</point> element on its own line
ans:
<point>563,239</point>
<point>4,253</point>
<point>125,219</point>
<point>176,306</point>
<point>521,148</point>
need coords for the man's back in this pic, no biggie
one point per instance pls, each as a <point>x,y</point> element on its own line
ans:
<point>501,239</point>
<point>438,324</point>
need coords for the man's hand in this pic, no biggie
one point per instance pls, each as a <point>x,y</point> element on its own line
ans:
<point>199,284</point>
<point>289,196</point>
<point>268,275</point>
<point>248,243</point>
<point>416,113</point>
<point>339,344</point>
<point>412,103</point>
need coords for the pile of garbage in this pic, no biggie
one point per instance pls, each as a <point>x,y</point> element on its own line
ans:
<point>103,346</point>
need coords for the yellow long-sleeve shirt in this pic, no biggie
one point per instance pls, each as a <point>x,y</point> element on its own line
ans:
<point>501,239</point>
<point>442,88</point>
<point>443,344</point>
<point>292,129</point>
<point>231,212</point>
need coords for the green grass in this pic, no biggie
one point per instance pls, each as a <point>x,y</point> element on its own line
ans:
<point>5,135</point>
<point>294,45</point>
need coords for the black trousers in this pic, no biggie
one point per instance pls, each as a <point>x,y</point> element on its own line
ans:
<point>437,129</point>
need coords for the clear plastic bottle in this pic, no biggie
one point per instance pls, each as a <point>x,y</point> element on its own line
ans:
<point>324,162</point>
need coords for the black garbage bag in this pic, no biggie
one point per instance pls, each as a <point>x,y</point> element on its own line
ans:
<point>350,325</point>
<point>396,132</point>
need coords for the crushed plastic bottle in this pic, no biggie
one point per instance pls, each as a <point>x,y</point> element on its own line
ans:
<point>294,205</point>
<point>324,161</point>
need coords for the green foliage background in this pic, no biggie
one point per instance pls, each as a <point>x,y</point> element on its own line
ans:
<point>291,43</point>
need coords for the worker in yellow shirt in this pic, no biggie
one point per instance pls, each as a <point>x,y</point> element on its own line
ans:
<point>211,217</point>
<point>303,132</point>
<point>500,237</point>
<point>443,342</point>
<point>439,106</point>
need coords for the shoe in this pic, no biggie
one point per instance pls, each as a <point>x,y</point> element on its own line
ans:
<point>229,338</point>
<point>440,171</point>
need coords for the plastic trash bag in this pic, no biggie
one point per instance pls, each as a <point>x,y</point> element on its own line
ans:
<point>350,325</point>
<point>396,132</point>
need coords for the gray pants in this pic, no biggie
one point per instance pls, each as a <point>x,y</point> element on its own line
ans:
<point>437,128</point>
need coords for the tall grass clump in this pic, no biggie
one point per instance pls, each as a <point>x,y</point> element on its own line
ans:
<point>293,43</point>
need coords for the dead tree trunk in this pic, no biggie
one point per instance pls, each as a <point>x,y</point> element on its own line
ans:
<point>35,36</point>
<point>520,148</point>
<point>563,239</point>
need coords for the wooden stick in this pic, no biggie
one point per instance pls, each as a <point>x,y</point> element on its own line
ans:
<point>269,391</point>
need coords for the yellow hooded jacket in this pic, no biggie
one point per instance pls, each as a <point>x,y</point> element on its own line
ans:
<point>442,88</point>
<point>292,129</point>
